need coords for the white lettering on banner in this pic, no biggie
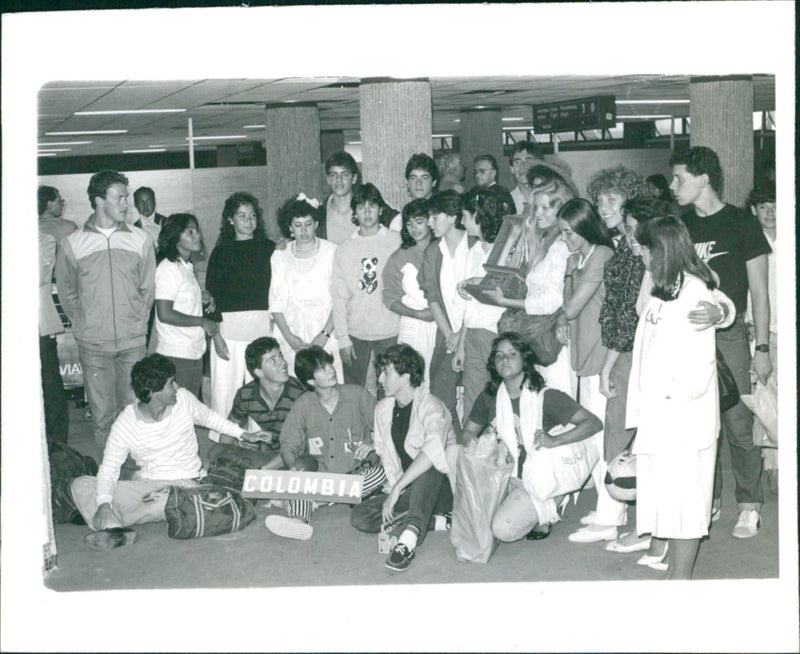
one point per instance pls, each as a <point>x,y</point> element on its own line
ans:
<point>290,484</point>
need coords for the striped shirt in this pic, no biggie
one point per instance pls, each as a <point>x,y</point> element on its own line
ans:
<point>166,449</point>
<point>249,403</point>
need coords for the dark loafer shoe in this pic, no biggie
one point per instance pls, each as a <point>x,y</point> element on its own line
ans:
<point>109,539</point>
<point>539,532</point>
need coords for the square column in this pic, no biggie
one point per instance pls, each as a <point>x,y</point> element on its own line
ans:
<point>481,132</point>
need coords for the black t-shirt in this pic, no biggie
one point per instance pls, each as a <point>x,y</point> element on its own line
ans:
<point>726,241</point>
<point>401,416</point>
<point>557,408</point>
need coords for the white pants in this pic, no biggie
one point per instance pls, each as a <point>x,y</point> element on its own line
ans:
<point>238,329</point>
<point>135,502</point>
<point>608,512</point>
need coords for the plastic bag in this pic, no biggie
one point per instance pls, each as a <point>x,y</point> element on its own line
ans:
<point>550,472</point>
<point>482,476</point>
<point>763,402</point>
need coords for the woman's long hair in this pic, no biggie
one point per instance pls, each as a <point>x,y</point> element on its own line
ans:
<point>227,232</point>
<point>170,234</point>
<point>531,377</point>
<point>672,256</point>
<point>488,209</point>
<point>584,220</point>
<point>540,240</point>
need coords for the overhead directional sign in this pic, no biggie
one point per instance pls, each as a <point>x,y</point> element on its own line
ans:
<point>596,112</point>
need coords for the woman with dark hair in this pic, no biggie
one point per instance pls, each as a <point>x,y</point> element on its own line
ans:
<point>658,187</point>
<point>181,329</point>
<point>547,258</point>
<point>300,295</point>
<point>401,291</point>
<point>482,212</point>
<point>590,245</point>
<point>673,397</point>
<point>238,278</point>
<point>610,189</point>
<point>444,266</point>
<point>516,401</point>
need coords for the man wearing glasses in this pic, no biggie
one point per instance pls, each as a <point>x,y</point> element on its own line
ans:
<point>335,218</point>
<point>484,170</point>
<point>523,156</point>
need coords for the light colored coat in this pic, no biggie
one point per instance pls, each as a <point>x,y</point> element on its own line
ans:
<point>430,430</point>
<point>673,398</point>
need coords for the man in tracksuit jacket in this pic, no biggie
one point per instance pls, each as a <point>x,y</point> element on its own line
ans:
<point>106,282</point>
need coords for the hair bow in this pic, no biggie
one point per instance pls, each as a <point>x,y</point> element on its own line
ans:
<point>312,201</point>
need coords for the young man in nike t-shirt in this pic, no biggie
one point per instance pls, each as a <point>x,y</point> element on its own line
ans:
<point>731,242</point>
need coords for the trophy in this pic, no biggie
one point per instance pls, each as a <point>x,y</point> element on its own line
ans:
<point>507,265</point>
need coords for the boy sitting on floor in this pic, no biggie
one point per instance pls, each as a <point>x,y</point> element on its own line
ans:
<point>333,424</point>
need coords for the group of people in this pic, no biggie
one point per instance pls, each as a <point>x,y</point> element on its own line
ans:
<point>396,364</point>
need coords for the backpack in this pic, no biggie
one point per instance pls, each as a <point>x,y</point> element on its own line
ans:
<point>66,465</point>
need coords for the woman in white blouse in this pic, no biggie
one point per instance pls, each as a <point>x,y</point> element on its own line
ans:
<point>299,295</point>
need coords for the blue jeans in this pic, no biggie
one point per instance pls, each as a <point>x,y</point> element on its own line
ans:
<point>428,494</point>
<point>737,423</point>
<point>107,381</point>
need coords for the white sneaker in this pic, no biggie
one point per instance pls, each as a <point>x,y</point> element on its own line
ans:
<point>588,519</point>
<point>288,527</point>
<point>747,525</point>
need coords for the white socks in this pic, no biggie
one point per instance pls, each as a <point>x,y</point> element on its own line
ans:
<point>408,538</point>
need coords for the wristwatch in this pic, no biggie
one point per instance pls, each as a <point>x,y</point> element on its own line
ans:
<point>762,348</point>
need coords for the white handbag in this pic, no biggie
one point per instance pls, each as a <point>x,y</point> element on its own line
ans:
<point>551,472</point>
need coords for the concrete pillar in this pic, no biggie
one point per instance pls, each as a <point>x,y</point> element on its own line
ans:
<point>396,122</point>
<point>721,113</point>
<point>292,141</point>
<point>481,132</point>
<point>331,140</point>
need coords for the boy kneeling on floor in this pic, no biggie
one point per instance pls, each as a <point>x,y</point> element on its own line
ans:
<point>414,438</point>
<point>158,432</point>
<point>333,424</point>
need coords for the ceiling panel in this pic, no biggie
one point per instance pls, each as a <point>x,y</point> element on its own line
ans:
<point>212,104</point>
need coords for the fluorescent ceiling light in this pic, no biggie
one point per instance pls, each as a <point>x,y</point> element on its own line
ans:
<point>354,143</point>
<point>441,136</point>
<point>46,145</point>
<point>114,112</point>
<point>512,120</point>
<point>651,102</point>
<point>215,138</point>
<point>641,117</point>
<point>156,146</point>
<point>253,126</point>
<point>517,128</point>
<point>88,131</point>
<point>56,150</point>
<point>47,154</point>
<point>144,150</point>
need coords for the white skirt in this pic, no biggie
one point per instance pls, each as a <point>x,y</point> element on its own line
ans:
<point>674,492</point>
<point>420,335</point>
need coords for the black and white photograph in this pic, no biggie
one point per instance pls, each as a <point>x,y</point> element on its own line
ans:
<point>425,327</point>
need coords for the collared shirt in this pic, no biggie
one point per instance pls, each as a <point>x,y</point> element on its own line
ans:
<point>310,429</point>
<point>148,224</point>
<point>249,403</point>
